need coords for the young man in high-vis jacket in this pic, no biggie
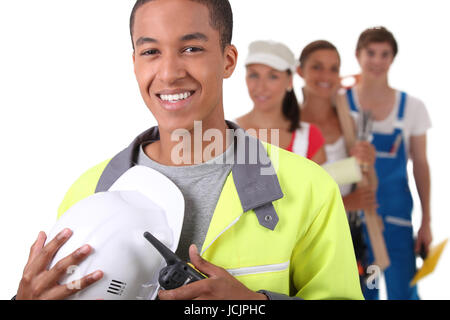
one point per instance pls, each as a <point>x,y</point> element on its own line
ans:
<point>270,224</point>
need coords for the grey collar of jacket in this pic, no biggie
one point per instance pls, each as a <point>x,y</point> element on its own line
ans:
<point>255,179</point>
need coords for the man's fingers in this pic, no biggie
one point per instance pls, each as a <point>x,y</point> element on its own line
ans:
<point>202,265</point>
<point>63,266</point>
<point>195,289</point>
<point>37,246</point>
<point>417,245</point>
<point>190,291</point>
<point>47,253</point>
<point>65,290</point>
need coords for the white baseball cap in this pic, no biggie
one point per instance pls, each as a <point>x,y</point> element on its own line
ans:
<point>274,54</point>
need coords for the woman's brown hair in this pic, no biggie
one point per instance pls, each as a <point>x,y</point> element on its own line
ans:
<point>315,46</point>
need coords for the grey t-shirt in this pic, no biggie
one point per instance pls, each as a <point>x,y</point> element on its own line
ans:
<point>201,186</point>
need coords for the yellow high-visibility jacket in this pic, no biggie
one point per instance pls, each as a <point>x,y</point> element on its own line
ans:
<point>285,232</point>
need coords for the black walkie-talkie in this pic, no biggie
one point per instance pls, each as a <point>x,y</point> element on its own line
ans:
<point>177,273</point>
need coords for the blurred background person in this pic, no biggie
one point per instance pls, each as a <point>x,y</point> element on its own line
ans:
<point>270,67</point>
<point>319,68</point>
<point>400,129</point>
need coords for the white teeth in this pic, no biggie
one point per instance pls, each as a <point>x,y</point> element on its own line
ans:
<point>175,97</point>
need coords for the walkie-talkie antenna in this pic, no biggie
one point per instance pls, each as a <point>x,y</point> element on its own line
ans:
<point>177,273</point>
<point>168,255</point>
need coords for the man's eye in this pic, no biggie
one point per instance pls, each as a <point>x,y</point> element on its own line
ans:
<point>192,49</point>
<point>149,52</point>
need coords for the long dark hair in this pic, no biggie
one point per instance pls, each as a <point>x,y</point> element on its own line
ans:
<point>291,109</point>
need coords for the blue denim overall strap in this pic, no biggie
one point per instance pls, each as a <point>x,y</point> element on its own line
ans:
<point>391,165</point>
<point>393,194</point>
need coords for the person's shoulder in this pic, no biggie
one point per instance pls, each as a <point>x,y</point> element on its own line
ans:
<point>92,175</point>
<point>414,102</point>
<point>83,187</point>
<point>417,114</point>
<point>306,186</point>
<point>315,132</point>
<point>298,170</point>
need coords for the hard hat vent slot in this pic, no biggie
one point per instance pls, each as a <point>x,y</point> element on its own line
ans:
<point>116,287</point>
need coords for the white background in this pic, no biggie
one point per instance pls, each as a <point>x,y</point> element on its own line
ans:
<point>69,100</point>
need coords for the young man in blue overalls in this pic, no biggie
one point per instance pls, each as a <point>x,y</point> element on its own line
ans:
<point>399,133</point>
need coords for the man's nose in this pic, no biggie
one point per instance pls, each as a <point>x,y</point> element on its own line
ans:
<point>171,68</point>
<point>377,59</point>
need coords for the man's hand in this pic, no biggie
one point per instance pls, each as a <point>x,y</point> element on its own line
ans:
<point>424,238</point>
<point>220,285</point>
<point>364,152</point>
<point>363,198</point>
<point>39,283</point>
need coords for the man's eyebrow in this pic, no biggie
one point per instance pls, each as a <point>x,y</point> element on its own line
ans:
<point>143,40</point>
<point>187,37</point>
<point>194,36</point>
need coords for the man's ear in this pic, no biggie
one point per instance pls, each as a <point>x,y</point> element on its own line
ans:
<point>230,58</point>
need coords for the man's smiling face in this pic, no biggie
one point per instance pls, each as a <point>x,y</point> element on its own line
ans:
<point>179,63</point>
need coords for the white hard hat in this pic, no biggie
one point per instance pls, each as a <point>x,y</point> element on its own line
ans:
<point>113,224</point>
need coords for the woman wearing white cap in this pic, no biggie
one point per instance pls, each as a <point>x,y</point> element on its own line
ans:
<point>270,68</point>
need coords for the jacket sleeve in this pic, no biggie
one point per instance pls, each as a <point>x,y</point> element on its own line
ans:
<point>323,263</point>
<point>277,296</point>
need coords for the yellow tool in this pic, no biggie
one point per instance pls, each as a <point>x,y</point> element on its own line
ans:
<point>429,264</point>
